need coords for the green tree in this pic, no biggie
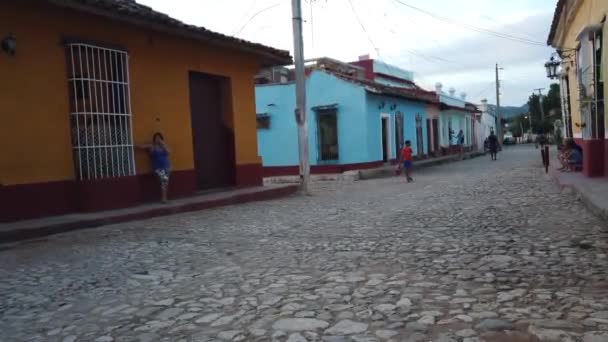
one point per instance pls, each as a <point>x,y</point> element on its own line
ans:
<point>551,107</point>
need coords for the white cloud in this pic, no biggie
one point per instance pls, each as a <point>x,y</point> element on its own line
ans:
<point>401,35</point>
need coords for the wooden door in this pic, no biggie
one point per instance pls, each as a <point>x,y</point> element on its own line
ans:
<point>212,139</point>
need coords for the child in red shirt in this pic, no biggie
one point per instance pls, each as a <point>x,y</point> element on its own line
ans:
<point>406,155</point>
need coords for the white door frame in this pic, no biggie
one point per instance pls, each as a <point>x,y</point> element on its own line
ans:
<point>388,139</point>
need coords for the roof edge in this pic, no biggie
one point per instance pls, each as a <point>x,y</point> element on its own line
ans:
<point>555,22</point>
<point>269,56</point>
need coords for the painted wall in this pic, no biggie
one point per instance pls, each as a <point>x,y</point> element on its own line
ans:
<point>325,89</point>
<point>278,145</point>
<point>589,12</point>
<point>459,120</point>
<point>409,110</point>
<point>359,121</point>
<point>35,109</point>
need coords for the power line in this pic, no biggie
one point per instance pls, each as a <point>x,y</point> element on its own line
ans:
<point>369,38</point>
<point>490,85</point>
<point>475,28</point>
<point>253,17</point>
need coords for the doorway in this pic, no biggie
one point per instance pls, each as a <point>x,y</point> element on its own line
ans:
<point>212,138</point>
<point>436,135</point>
<point>398,133</point>
<point>386,143</point>
<point>429,137</point>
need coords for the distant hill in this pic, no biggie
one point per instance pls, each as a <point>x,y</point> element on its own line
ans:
<point>509,111</point>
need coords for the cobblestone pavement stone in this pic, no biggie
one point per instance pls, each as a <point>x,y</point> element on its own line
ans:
<point>471,251</point>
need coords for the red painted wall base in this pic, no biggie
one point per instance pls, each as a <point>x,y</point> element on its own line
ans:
<point>593,157</point>
<point>606,158</point>
<point>294,170</point>
<point>29,201</point>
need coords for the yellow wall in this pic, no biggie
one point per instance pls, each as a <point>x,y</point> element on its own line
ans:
<point>35,141</point>
<point>590,12</point>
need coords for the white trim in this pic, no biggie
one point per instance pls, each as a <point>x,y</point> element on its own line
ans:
<point>577,135</point>
<point>388,139</point>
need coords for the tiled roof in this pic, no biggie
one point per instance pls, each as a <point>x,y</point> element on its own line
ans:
<point>558,12</point>
<point>415,94</point>
<point>138,14</point>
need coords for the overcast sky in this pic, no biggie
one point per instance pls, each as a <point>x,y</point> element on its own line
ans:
<point>436,50</point>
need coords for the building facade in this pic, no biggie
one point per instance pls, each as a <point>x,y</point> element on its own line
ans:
<point>89,80</point>
<point>353,122</point>
<point>578,33</point>
<point>455,114</point>
<point>486,123</point>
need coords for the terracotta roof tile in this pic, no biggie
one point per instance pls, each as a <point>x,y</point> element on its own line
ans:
<point>131,11</point>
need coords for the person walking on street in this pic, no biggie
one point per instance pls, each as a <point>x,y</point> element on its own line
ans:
<point>460,142</point>
<point>406,156</point>
<point>493,145</point>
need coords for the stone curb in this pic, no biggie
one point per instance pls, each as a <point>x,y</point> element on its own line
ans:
<point>579,194</point>
<point>37,230</point>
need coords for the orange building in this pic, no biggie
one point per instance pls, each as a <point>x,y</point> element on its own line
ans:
<point>85,81</point>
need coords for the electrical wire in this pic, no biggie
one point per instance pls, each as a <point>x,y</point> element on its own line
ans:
<point>484,90</point>
<point>371,41</point>
<point>475,28</point>
<point>253,17</point>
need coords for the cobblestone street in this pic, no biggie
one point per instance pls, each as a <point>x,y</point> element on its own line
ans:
<point>472,251</point>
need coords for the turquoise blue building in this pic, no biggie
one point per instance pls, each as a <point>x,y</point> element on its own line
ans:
<point>456,114</point>
<point>353,122</point>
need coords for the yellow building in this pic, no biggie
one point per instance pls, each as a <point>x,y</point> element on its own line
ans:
<point>85,81</point>
<point>577,33</point>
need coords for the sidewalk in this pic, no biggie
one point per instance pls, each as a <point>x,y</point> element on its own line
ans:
<point>389,170</point>
<point>21,230</point>
<point>593,192</point>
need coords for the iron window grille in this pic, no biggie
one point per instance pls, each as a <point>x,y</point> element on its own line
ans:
<point>100,111</point>
<point>327,132</point>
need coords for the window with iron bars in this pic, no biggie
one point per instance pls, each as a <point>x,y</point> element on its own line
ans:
<point>100,111</point>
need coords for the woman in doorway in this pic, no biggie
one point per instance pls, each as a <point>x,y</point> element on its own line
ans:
<point>159,156</point>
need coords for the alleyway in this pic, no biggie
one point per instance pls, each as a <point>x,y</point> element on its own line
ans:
<point>470,248</point>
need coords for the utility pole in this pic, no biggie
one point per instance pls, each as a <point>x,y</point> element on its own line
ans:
<point>300,112</point>
<point>498,116</point>
<point>542,111</point>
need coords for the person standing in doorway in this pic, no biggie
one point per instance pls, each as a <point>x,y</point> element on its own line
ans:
<point>406,156</point>
<point>493,145</point>
<point>159,156</point>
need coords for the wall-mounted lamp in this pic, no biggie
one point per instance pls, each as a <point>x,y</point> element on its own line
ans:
<point>382,104</point>
<point>393,106</point>
<point>9,44</point>
<point>551,67</point>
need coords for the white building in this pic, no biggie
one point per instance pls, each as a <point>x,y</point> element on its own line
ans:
<point>487,123</point>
